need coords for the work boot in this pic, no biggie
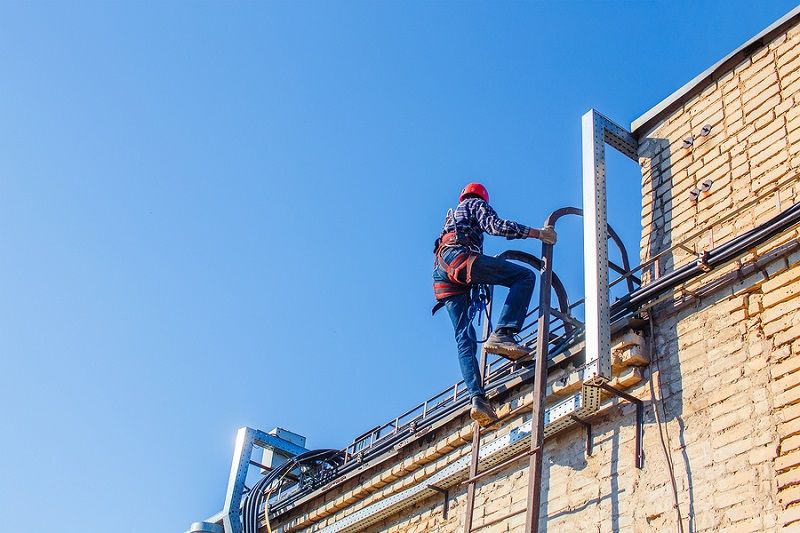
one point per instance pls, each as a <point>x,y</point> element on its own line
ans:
<point>502,342</point>
<point>482,412</point>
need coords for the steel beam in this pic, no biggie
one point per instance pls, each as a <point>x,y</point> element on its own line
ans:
<point>597,131</point>
<point>246,438</point>
<point>242,450</point>
<point>540,390</point>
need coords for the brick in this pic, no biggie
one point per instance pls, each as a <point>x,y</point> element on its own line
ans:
<point>791,516</point>
<point>753,111</point>
<point>786,383</point>
<point>781,318</point>
<point>789,495</point>
<point>761,86</point>
<point>787,461</point>
<point>789,478</point>
<point>728,499</point>
<point>789,413</point>
<point>761,454</point>
<point>790,444</point>
<point>789,428</point>
<point>769,133</point>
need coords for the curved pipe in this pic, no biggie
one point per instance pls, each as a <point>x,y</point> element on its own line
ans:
<point>256,497</point>
<point>557,285</point>
<point>536,263</point>
<point>613,235</point>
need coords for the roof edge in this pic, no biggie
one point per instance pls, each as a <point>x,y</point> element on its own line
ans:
<point>713,73</point>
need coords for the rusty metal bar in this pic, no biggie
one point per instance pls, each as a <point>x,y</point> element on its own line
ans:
<point>589,439</point>
<point>539,385</point>
<point>639,419</point>
<point>446,494</point>
<point>473,471</point>
<point>499,466</point>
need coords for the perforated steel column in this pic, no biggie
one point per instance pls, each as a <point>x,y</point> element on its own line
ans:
<point>597,131</point>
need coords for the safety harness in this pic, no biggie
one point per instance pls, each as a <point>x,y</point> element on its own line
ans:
<point>459,270</point>
<point>459,276</point>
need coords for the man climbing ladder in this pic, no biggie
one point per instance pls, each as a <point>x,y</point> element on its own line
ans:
<point>460,265</point>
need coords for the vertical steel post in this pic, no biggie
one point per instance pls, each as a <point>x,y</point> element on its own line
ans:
<point>597,131</point>
<point>539,389</point>
<point>231,521</point>
<point>595,243</point>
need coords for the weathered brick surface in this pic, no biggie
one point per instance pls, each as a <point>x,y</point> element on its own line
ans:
<point>724,359</point>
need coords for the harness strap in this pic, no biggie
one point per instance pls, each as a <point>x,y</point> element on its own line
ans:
<point>459,270</point>
<point>445,289</point>
<point>461,262</point>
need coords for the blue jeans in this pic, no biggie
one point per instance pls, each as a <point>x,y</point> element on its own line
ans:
<point>491,271</point>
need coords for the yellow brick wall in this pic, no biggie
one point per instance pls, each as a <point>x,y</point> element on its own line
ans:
<point>724,365</point>
<point>726,358</point>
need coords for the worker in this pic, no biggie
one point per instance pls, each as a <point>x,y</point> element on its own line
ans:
<point>460,264</point>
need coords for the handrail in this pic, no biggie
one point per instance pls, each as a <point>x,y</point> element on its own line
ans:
<point>499,370</point>
<point>429,408</point>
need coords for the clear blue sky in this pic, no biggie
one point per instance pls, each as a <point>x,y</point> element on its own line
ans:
<point>221,214</point>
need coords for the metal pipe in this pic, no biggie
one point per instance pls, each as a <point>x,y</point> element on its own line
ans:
<point>498,467</point>
<point>539,388</point>
<point>536,263</point>
<point>716,257</point>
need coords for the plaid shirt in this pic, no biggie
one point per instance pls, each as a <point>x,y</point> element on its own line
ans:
<point>473,217</point>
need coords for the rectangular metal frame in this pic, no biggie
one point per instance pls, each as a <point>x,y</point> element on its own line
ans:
<point>246,439</point>
<point>597,131</point>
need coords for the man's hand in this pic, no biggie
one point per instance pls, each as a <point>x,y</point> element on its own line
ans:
<point>546,234</point>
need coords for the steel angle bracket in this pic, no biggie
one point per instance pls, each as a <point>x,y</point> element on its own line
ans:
<point>597,131</point>
<point>246,439</point>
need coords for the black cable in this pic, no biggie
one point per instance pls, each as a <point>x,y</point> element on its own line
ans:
<point>255,498</point>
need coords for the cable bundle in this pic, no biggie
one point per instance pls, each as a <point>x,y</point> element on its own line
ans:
<point>260,493</point>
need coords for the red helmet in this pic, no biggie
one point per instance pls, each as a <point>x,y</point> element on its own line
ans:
<point>476,189</point>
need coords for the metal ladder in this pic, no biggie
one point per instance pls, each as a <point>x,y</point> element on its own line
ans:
<point>540,381</point>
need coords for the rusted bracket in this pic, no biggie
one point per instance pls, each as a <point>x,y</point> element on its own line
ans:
<point>496,468</point>
<point>589,439</point>
<point>639,419</point>
<point>702,262</point>
<point>446,494</point>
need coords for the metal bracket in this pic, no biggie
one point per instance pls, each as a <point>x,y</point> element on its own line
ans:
<point>446,494</point>
<point>702,262</point>
<point>639,419</point>
<point>589,438</point>
<point>246,439</point>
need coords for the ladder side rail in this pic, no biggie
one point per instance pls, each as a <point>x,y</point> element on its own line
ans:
<point>540,380</point>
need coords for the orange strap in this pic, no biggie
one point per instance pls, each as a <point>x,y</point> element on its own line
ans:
<point>459,270</point>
